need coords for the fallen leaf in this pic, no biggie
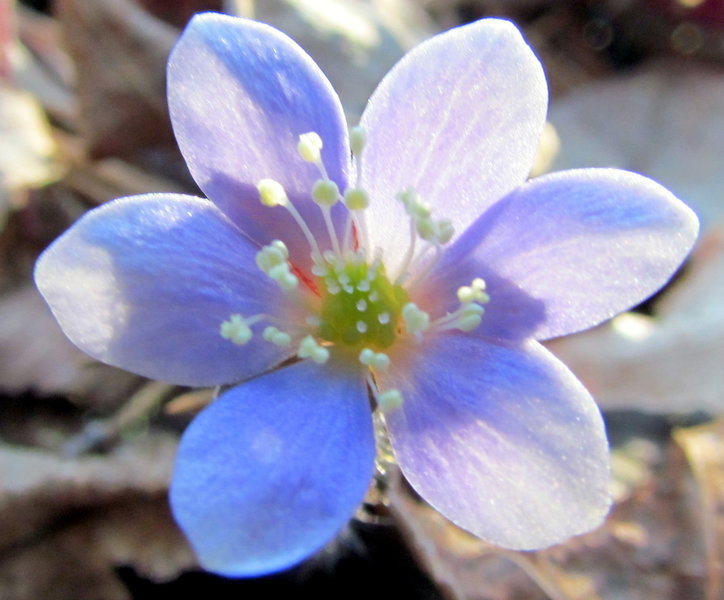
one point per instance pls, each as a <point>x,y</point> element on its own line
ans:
<point>120,53</point>
<point>28,153</point>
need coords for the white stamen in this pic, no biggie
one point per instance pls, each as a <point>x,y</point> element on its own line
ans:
<point>361,305</point>
<point>375,360</point>
<point>474,292</point>
<point>236,330</point>
<point>309,348</point>
<point>416,320</point>
<point>271,193</point>
<point>361,326</point>
<point>325,192</point>
<point>356,199</point>
<point>284,277</point>
<point>310,147</point>
<point>357,139</point>
<point>279,338</point>
<point>383,318</point>
<point>272,255</point>
<point>389,400</point>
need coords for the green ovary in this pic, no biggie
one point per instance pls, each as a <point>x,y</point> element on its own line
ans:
<point>360,306</point>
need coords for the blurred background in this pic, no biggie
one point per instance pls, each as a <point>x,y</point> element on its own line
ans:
<point>86,450</point>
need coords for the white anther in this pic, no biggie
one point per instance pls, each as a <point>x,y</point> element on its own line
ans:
<point>465,294</point>
<point>310,147</point>
<point>389,400</point>
<point>309,348</point>
<point>361,305</point>
<point>272,255</point>
<point>437,232</point>
<point>364,285</point>
<point>375,360</point>
<point>427,229</point>
<point>361,326</point>
<point>445,231</point>
<point>366,355</point>
<point>383,318</point>
<point>276,337</point>
<point>236,330</point>
<point>380,361</point>
<point>356,199</point>
<point>283,276</point>
<point>373,296</point>
<point>416,320</point>
<point>271,193</point>
<point>325,192</point>
<point>413,205</point>
<point>473,292</point>
<point>357,139</point>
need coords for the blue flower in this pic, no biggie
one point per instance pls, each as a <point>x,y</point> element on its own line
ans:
<point>407,266</point>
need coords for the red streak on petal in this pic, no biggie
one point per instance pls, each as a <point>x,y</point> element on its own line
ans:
<point>305,279</point>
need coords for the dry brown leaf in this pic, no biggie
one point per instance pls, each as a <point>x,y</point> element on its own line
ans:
<point>120,54</point>
<point>28,154</point>
<point>704,449</point>
<point>38,488</point>
<point>178,12</point>
<point>79,559</point>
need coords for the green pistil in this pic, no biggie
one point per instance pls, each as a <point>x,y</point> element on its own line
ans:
<point>360,306</point>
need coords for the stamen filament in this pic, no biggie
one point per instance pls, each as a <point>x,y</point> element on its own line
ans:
<point>304,227</point>
<point>327,213</point>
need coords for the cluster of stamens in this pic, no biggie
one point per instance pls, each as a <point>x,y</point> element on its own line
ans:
<point>356,304</point>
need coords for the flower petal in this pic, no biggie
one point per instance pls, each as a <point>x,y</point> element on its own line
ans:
<point>458,118</point>
<point>577,247</point>
<point>144,283</point>
<point>269,472</point>
<point>240,93</point>
<point>502,440</point>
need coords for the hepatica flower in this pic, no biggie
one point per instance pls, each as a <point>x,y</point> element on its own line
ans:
<point>407,266</point>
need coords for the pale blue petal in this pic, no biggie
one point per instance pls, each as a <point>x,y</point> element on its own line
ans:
<point>502,440</point>
<point>570,250</point>
<point>459,119</point>
<point>269,472</point>
<point>240,93</point>
<point>144,283</point>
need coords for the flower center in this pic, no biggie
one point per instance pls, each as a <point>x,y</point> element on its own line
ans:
<point>360,305</point>
<point>353,302</point>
